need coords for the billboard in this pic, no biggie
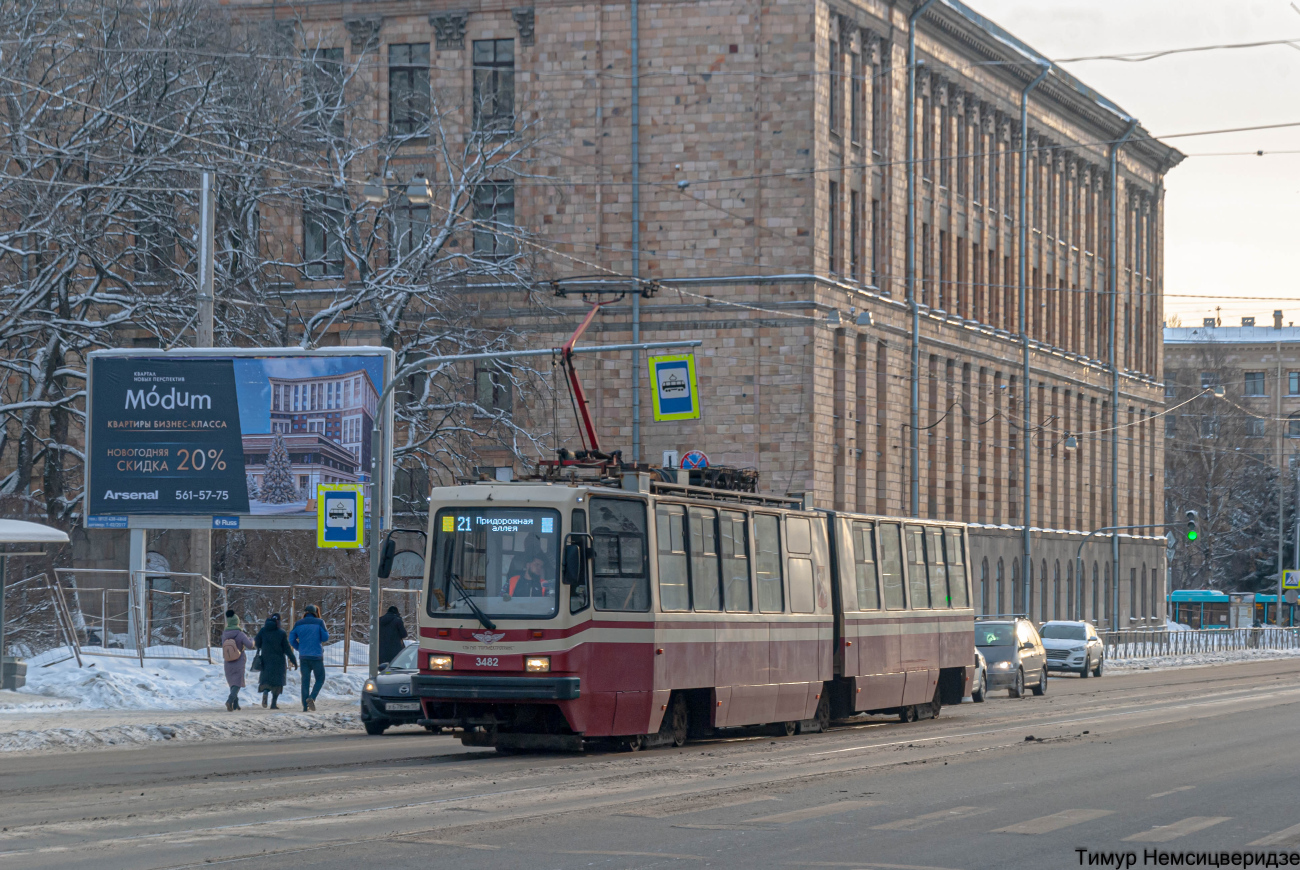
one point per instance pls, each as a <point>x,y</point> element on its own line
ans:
<point>240,438</point>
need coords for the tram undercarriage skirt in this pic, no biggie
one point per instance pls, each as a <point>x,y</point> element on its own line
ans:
<point>507,740</point>
<point>496,688</point>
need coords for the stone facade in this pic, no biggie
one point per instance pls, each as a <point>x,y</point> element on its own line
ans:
<point>773,173</point>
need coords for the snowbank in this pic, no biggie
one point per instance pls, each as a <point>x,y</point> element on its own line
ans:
<point>1194,660</point>
<point>228,727</point>
<point>119,683</point>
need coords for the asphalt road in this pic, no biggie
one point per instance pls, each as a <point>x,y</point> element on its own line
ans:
<point>1190,760</point>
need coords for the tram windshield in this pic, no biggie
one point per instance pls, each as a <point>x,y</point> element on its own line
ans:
<point>507,560</point>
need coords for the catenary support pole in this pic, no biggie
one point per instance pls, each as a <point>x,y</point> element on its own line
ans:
<point>1281,490</point>
<point>201,539</point>
<point>914,451</point>
<point>635,13</point>
<point>1025,393</point>
<point>378,462</point>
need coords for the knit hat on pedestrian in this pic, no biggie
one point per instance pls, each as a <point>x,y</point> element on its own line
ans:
<point>232,622</point>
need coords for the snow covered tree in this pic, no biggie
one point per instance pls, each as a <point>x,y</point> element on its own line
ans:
<point>278,486</point>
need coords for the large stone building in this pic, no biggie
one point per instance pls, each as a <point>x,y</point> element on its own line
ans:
<point>753,169</point>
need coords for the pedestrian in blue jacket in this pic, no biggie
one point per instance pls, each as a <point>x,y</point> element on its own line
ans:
<point>309,638</point>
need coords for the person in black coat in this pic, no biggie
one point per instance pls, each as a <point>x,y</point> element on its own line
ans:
<point>274,648</point>
<point>392,631</point>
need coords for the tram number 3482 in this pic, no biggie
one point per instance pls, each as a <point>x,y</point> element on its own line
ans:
<point>492,662</point>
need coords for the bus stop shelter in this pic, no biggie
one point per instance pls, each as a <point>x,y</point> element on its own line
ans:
<point>19,538</point>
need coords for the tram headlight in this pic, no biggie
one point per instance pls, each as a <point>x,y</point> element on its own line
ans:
<point>537,664</point>
<point>439,663</point>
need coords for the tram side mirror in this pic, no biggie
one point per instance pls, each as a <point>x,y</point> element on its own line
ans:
<point>574,560</point>
<point>386,559</point>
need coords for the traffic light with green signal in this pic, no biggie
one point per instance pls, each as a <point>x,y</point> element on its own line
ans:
<point>1191,526</point>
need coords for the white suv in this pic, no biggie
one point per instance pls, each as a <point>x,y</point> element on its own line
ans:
<point>1072,646</point>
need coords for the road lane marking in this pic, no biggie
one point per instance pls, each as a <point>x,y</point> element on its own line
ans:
<point>1285,837</point>
<point>812,813</point>
<point>1165,833</point>
<point>664,812</point>
<point>916,823</point>
<point>1171,791</point>
<point>1054,822</point>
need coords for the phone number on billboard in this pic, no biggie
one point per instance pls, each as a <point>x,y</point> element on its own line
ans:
<point>202,495</point>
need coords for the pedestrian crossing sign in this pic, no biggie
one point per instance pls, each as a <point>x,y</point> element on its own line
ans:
<point>674,392</point>
<point>1290,579</point>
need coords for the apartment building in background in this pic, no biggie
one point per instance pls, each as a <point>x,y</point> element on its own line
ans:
<point>772,225</point>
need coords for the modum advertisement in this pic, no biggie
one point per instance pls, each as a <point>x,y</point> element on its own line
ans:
<point>228,435</point>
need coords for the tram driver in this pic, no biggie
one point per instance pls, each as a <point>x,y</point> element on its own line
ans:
<point>532,582</point>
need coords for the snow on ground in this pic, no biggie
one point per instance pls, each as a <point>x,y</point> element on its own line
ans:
<point>1195,660</point>
<point>112,701</point>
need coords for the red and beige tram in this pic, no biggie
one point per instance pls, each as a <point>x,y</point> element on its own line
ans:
<point>558,613</point>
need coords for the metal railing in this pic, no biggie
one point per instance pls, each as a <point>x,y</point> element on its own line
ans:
<point>1143,644</point>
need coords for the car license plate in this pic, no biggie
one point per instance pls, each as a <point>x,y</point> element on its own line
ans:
<point>402,706</point>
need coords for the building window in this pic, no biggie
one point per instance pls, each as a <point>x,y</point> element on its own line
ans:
<point>494,85</point>
<point>322,90</point>
<point>493,388</point>
<point>1256,427</point>
<point>322,236</point>
<point>855,233</point>
<point>877,243</point>
<point>878,123</point>
<point>1255,384</point>
<point>155,243</point>
<point>408,89</point>
<point>410,227</point>
<point>833,115</point>
<point>1293,428</point>
<point>1209,379</point>
<point>833,229</point>
<point>1209,427</point>
<point>855,98</point>
<point>1171,426</point>
<point>494,218</point>
<point>1293,383</point>
<point>1171,391</point>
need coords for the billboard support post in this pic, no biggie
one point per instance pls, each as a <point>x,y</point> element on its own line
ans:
<point>136,577</point>
<point>201,539</point>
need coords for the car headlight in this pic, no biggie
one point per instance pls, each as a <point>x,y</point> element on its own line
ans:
<point>439,663</point>
<point>537,664</point>
<point>370,687</point>
<point>1003,666</point>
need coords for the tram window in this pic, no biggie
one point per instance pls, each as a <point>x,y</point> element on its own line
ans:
<point>736,596</point>
<point>705,593</point>
<point>620,580</point>
<point>956,568</point>
<point>670,521</point>
<point>864,563</point>
<point>891,566</point>
<point>579,596</point>
<point>801,586</point>
<point>798,535</point>
<point>767,563</point>
<point>938,568</point>
<point>917,581</point>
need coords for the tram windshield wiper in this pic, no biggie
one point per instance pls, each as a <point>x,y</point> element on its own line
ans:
<point>465,596</point>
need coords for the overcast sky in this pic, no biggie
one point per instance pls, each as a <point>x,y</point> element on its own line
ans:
<point>1230,222</point>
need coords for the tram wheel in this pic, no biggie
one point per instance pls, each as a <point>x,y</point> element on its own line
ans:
<point>789,729</point>
<point>676,724</point>
<point>907,714</point>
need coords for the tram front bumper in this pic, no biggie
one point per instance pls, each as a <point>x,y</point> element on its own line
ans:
<point>494,688</point>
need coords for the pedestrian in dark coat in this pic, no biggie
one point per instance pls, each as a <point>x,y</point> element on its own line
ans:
<point>234,639</point>
<point>277,657</point>
<point>392,631</point>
